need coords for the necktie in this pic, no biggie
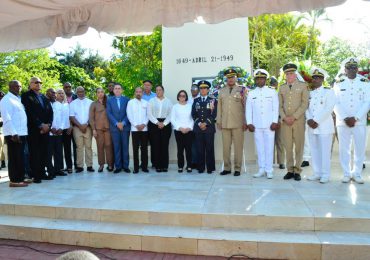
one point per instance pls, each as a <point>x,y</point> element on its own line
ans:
<point>118,103</point>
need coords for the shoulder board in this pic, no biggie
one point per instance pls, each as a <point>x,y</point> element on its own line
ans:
<point>339,80</point>
<point>364,80</point>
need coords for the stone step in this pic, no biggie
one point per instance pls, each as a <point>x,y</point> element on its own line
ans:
<point>204,220</point>
<point>266,244</point>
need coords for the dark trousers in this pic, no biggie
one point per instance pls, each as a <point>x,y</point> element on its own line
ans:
<point>159,140</point>
<point>16,159</point>
<point>26,159</point>
<point>184,143</point>
<point>68,142</point>
<point>206,151</point>
<point>38,148</point>
<point>120,146</point>
<point>140,140</point>
<point>194,152</point>
<point>55,154</point>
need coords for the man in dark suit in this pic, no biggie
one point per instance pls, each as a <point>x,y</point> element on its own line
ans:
<point>204,111</point>
<point>40,116</point>
<point>120,128</point>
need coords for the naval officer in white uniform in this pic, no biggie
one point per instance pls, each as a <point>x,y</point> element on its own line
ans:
<point>262,115</point>
<point>320,125</point>
<point>352,104</point>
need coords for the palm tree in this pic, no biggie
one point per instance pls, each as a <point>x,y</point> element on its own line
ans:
<point>314,17</point>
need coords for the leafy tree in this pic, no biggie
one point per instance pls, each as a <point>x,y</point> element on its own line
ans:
<point>141,58</point>
<point>82,58</point>
<point>275,39</point>
<point>332,53</point>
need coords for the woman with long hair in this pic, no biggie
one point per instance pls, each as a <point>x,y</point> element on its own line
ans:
<point>100,125</point>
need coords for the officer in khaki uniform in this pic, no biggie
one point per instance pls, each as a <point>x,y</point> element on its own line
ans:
<point>231,120</point>
<point>293,103</point>
<point>279,148</point>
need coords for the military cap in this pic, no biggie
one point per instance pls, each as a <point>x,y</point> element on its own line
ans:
<point>350,61</point>
<point>261,73</point>
<point>319,72</point>
<point>229,73</point>
<point>204,84</point>
<point>289,67</point>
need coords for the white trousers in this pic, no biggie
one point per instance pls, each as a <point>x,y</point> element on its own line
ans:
<point>320,153</point>
<point>306,148</point>
<point>264,139</point>
<point>345,136</point>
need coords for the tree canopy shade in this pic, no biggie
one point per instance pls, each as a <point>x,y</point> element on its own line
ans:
<point>30,24</point>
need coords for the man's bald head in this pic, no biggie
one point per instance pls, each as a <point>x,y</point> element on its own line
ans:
<point>15,87</point>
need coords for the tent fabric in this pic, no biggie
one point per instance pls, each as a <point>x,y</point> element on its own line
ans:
<point>29,24</point>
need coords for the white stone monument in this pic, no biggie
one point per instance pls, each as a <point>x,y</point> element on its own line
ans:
<point>199,51</point>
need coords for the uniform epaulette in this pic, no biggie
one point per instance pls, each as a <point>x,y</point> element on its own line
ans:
<point>364,80</point>
<point>339,80</point>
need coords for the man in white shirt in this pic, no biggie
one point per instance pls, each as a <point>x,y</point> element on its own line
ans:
<point>15,132</point>
<point>262,115</point>
<point>352,104</point>
<point>79,115</point>
<point>320,126</point>
<point>137,115</point>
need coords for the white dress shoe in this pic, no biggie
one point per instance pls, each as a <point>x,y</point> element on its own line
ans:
<point>259,174</point>
<point>358,179</point>
<point>346,179</point>
<point>270,175</point>
<point>324,179</point>
<point>314,178</point>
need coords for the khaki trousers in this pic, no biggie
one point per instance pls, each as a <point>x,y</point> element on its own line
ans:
<point>279,148</point>
<point>232,136</point>
<point>105,148</point>
<point>2,148</point>
<point>83,144</point>
<point>293,141</point>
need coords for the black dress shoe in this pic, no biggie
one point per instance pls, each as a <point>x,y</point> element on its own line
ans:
<point>236,173</point>
<point>145,170</point>
<point>165,170</point>
<point>297,177</point>
<point>101,168</point>
<point>79,169</point>
<point>90,169</point>
<point>200,172</point>
<point>189,169</point>
<point>209,172</point>
<point>180,170</point>
<point>135,171</point>
<point>126,170</point>
<point>289,175</point>
<point>47,178</point>
<point>110,169</point>
<point>3,164</point>
<point>281,166</point>
<point>60,173</point>
<point>225,172</point>
<point>158,170</point>
<point>305,163</point>
<point>37,181</point>
<point>117,171</point>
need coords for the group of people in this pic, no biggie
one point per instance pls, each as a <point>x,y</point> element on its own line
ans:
<point>42,132</point>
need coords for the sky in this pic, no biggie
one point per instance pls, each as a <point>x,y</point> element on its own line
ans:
<point>350,21</point>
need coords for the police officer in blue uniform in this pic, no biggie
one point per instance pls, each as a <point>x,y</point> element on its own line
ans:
<point>204,111</point>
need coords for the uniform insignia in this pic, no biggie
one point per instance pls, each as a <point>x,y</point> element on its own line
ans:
<point>364,80</point>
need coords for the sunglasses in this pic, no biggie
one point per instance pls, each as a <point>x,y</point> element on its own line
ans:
<point>37,82</point>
